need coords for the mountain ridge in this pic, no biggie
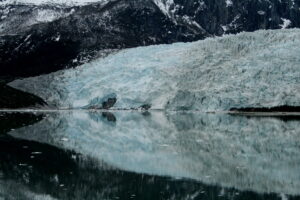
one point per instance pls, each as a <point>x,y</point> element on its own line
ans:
<point>80,32</point>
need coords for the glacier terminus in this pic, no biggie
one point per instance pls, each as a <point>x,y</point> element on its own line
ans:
<point>259,69</point>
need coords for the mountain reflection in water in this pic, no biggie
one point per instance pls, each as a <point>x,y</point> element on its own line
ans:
<point>153,155</point>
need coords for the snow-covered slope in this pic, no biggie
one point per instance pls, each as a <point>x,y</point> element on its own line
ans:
<point>18,18</point>
<point>257,154</point>
<point>259,69</point>
<point>43,2</point>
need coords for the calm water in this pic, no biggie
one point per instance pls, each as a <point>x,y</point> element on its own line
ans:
<point>153,155</point>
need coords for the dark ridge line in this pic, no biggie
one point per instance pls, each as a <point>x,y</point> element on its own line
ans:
<point>284,108</point>
<point>284,113</point>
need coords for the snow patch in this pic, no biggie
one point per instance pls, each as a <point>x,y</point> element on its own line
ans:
<point>261,12</point>
<point>228,3</point>
<point>47,15</point>
<point>286,23</point>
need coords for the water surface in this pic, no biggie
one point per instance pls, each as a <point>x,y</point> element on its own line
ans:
<point>150,155</point>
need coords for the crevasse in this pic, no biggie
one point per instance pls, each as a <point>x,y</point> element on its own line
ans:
<point>260,69</point>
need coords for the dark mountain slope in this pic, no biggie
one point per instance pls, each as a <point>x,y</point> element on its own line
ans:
<point>81,32</point>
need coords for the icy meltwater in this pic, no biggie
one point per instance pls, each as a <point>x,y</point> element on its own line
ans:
<point>148,155</point>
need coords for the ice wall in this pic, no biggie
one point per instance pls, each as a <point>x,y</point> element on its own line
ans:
<point>260,69</point>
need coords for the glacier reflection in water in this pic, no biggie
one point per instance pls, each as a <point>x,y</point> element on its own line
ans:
<point>259,154</point>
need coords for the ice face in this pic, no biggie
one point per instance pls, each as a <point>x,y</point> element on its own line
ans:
<point>259,69</point>
<point>257,154</point>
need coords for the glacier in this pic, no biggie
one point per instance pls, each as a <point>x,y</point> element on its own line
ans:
<point>259,69</point>
<point>258,154</point>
